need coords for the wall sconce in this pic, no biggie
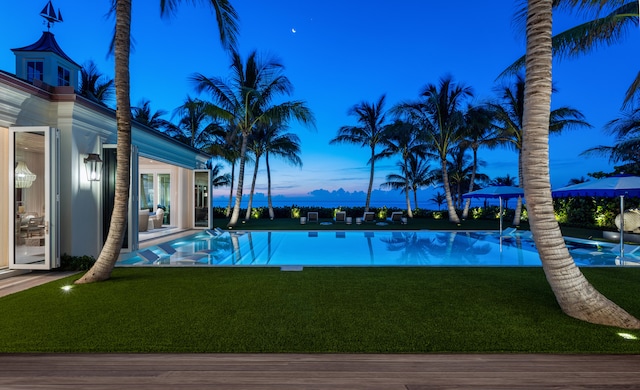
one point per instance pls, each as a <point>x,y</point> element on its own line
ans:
<point>93,164</point>
<point>23,176</point>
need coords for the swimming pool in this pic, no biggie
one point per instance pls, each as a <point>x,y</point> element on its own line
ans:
<point>363,248</point>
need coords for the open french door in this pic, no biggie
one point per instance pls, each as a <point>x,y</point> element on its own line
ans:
<point>202,204</point>
<point>35,195</point>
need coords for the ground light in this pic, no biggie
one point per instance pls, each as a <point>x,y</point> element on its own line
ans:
<point>66,288</point>
<point>627,336</point>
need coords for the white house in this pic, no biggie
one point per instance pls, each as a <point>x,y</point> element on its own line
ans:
<point>49,136</point>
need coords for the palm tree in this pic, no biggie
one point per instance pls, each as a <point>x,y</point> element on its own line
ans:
<point>371,118</point>
<point>441,121</point>
<point>508,117</point>
<point>575,295</point>
<point>227,25</point>
<point>439,198</point>
<point>626,129</point>
<point>620,16</point>
<point>403,138</point>
<point>283,145</point>
<point>247,102</point>
<point>478,132</point>
<point>142,114</point>
<point>194,127</point>
<point>415,173</point>
<point>94,85</point>
<point>219,179</point>
<point>462,169</point>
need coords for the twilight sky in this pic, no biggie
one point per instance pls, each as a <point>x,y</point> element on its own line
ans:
<point>337,54</point>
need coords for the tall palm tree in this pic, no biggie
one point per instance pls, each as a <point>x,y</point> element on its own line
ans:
<point>439,116</point>
<point>94,85</point>
<point>404,138</point>
<point>283,145</point>
<point>611,21</point>
<point>227,26</point>
<point>462,169</point>
<point>508,117</point>
<point>478,132</point>
<point>195,127</point>
<point>415,173</point>
<point>575,295</point>
<point>439,198</point>
<point>247,101</point>
<point>369,132</point>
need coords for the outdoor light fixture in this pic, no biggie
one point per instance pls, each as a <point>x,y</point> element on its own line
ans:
<point>93,163</point>
<point>23,176</point>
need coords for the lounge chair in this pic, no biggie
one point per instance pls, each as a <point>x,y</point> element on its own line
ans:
<point>158,219</point>
<point>396,216</point>
<point>368,216</point>
<point>341,216</point>
<point>312,216</point>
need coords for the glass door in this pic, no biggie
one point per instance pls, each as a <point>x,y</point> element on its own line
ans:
<point>201,201</point>
<point>34,194</point>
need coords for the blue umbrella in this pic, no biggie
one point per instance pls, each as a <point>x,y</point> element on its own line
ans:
<point>609,187</point>
<point>500,192</point>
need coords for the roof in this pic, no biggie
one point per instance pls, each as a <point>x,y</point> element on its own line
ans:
<point>47,43</point>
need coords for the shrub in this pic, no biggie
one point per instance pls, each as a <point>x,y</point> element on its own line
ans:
<point>76,263</point>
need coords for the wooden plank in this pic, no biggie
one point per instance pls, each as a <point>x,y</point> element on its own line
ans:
<point>317,371</point>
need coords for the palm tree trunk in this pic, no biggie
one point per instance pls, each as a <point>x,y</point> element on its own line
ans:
<point>247,215</point>
<point>465,212</point>
<point>269,202</point>
<point>101,270</point>
<point>518,213</point>
<point>415,198</point>
<point>233,174</point>
<point>453,215</point>
<point>235,215</point>
<point>368,202</point>
<point>575,295</point>
<point>407,189</point>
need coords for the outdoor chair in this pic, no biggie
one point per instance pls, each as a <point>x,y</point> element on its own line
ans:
<point>312,216</point>
<point>368,216</point>
<point>341,216</point>
<point>396,216</point>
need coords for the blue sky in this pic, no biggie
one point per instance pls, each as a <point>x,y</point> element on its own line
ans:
<point>341,53</point>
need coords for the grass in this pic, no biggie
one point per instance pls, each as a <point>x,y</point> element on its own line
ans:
<point>358,310</point>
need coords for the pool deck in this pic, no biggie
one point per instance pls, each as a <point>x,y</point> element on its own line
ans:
<point>318,371</point>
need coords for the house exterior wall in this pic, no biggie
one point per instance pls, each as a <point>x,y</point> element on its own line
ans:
<point>84,128</point>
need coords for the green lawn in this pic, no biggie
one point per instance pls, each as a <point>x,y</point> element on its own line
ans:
<point>385,310</point>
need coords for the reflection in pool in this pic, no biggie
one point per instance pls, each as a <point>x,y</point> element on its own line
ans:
<point>363,248</point>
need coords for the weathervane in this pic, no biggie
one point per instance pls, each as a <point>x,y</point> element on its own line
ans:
<point>49,14</point>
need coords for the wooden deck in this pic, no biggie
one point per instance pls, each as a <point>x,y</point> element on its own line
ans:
<point>317,371</point>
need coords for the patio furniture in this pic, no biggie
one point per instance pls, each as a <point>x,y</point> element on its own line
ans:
<point>396,216</point>
<point>312,216</point>
<point>341,216</point>
<point>368,216</point>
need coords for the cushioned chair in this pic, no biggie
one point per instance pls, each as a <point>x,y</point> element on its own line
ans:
<point>341,216</point>
<point>396,216</point>
<point>143,220</point>
<point>368,216</point>
<point>312,216</point>
<point>158,219</point>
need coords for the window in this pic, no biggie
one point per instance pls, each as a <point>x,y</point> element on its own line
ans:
<point>35,70</point>
<point>64,77</point>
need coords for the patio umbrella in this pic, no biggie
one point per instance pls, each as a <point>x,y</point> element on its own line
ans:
<point>499,192</point>
<point>609,187</point>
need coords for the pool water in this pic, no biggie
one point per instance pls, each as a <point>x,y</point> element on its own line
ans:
<point>364,248</point>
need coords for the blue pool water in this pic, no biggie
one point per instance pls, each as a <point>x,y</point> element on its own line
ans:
<point>364,248</point>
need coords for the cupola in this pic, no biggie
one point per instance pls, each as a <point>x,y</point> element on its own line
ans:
<point>44,60</point>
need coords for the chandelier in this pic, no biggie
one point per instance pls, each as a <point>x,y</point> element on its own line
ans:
<point>23,176</point>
